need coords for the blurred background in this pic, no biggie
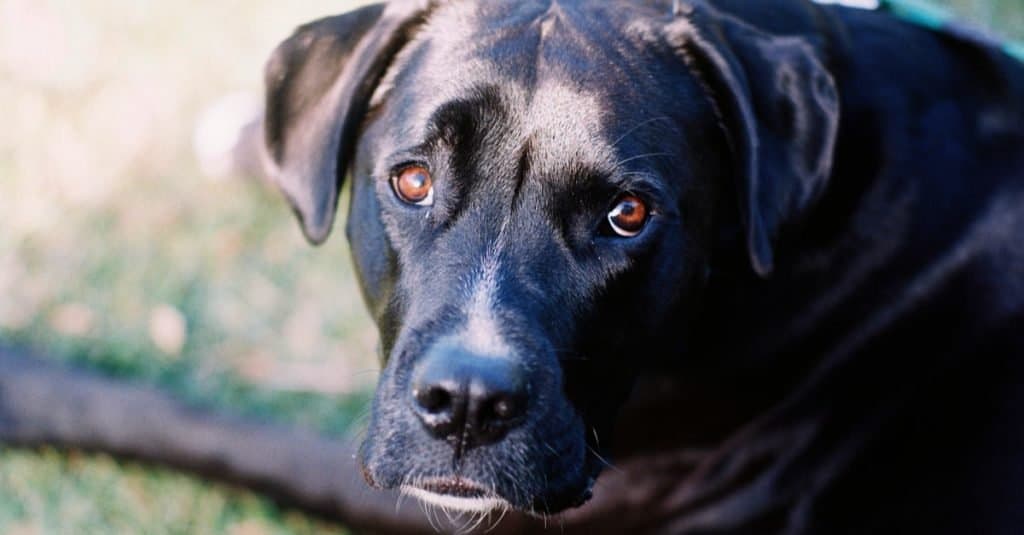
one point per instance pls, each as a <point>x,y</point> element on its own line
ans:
<point>122,251</point>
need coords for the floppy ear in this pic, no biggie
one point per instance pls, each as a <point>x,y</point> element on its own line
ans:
<point>318,87</point>
<point>780,110</point>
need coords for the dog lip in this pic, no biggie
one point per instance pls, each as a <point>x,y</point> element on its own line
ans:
<point>456,495</point>
<point>458,487</point>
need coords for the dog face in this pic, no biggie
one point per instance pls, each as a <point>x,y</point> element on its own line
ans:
<point>535,192</point>
<point>516,249</point>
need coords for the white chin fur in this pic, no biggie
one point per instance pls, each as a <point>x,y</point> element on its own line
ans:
<point>455,503</point>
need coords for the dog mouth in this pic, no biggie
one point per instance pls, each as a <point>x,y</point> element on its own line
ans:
<point>456,494</point>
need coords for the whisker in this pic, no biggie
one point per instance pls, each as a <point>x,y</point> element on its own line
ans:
<point>605,461</point>
<point>368,371</point>
<point>641,156</point>
<point>478,519</point>
<point>637,126</point>
<point>641,174</point>
<point>504,511</point>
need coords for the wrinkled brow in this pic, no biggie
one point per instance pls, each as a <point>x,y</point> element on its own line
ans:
<point>463,119</point>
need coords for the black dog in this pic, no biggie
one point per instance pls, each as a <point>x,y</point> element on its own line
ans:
<point>794,233</point>
<point>767,256</point>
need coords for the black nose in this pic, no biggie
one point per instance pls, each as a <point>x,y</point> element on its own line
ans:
<point>468,399</point>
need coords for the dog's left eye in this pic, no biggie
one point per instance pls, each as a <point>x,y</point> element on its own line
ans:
<point>629,216</point>
<point>413,185</point>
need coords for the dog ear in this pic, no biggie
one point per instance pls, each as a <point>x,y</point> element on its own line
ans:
<point>780,109</point>
<point>319,83</point>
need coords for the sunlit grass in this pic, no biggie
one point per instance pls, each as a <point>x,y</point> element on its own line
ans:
<point>117,253</point>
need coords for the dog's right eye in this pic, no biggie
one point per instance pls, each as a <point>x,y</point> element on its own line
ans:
<point>629,216</point>
<point>413,185</point>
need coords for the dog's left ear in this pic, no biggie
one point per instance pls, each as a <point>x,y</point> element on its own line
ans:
<point>780,110</point>
<point>319,83</point>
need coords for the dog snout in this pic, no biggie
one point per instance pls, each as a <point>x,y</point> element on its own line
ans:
<point>468,399</point>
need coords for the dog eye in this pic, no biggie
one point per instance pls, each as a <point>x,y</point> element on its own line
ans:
<point>413,185</point>
<point>629,216</point>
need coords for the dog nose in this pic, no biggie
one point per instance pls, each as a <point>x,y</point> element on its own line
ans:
<point>468,399</point>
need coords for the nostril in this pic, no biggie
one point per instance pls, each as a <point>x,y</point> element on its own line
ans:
<point>441,409</point>
<point>434,399</point>
<point>506,408</point>
<point>493,415</point>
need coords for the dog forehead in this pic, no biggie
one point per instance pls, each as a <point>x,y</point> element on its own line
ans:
<point>564,124</point>
<point>556,90</point>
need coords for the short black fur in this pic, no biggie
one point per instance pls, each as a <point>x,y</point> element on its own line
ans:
<point>826,304</point>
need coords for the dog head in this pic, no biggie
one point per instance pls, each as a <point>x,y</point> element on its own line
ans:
<point>537,189</point>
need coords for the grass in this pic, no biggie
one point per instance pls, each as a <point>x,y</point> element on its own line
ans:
<point>50,492</point>
<point>117,252</point>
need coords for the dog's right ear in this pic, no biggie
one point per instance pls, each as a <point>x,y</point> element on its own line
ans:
<point>318,87</point>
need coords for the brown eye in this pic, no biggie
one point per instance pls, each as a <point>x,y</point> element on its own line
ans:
<point>413,185</point>
<point>629,216</point>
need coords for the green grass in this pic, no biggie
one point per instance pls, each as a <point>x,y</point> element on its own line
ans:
<point>49,492</point>
<point>1005,17</point>
<point>109,226</point>
<point>112,240</point>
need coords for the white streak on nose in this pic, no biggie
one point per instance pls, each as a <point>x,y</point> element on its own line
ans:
<point>481,334</point>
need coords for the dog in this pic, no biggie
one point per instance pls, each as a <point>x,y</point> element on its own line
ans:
<point>654,266</point>
<point>793,233</point>
<point>779,246</point>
